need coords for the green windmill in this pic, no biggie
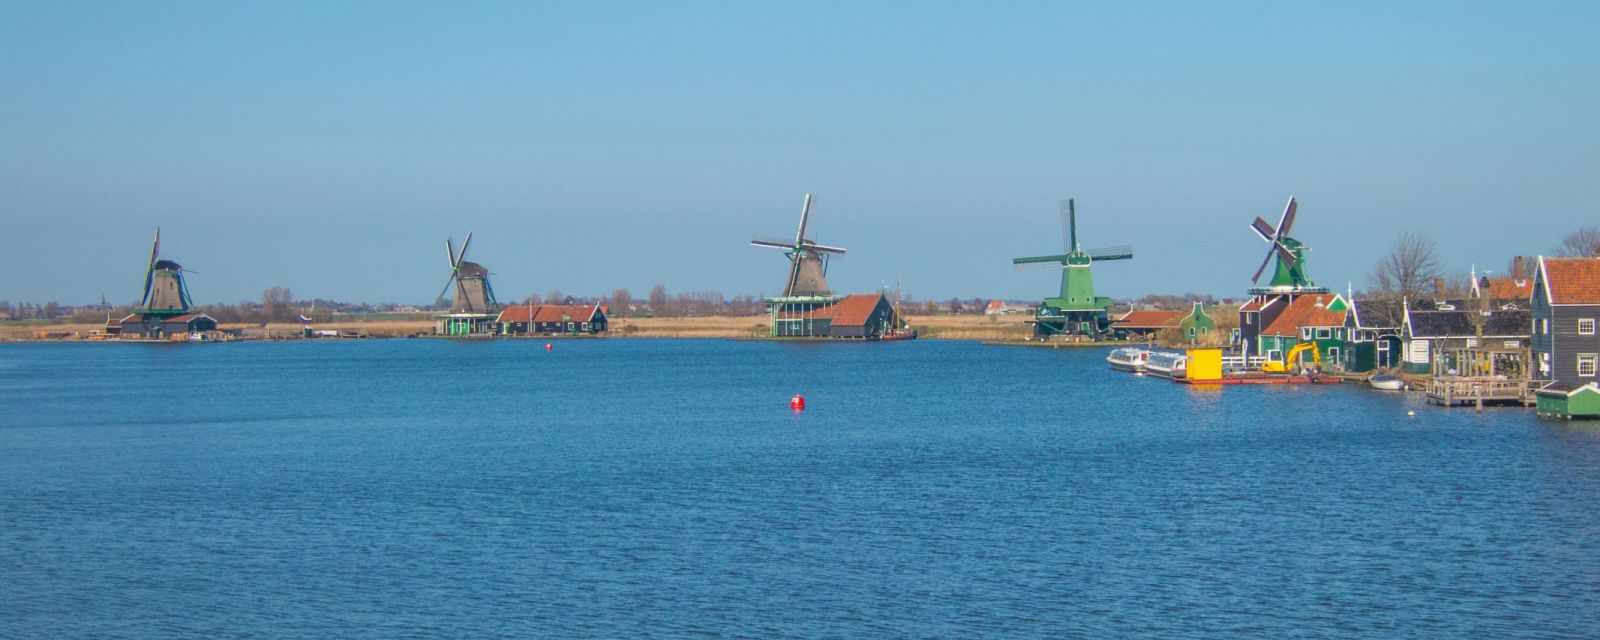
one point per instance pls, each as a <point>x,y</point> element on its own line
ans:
<point>1077,310</point>
<point>1290,273</point>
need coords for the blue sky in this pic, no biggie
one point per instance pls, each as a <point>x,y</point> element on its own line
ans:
<point>331,147</point>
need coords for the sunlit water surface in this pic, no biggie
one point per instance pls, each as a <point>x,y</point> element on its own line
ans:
<point>620,488</point>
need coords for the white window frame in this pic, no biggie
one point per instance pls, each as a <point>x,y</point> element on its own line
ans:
<point>1324,334</point>
<point>1585,322</point>
<point>1305,333</point>
<point>1544,326</point>
<point>1275,355</point>
<point>1593,360</point>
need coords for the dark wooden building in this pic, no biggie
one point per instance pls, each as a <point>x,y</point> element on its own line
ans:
<point>551,319</point>
<point>1373,335</point>
<point>1467,344</point>
<point>1565,311</point>
<point>153,326</point>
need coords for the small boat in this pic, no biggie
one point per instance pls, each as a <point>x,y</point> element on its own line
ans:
<point>1130,359</point>
<point>1167,364</point>
<point>1387,383</point>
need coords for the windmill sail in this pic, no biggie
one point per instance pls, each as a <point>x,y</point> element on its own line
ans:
<point>808,260</point>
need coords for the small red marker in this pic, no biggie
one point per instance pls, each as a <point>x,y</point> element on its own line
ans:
<point>798,402</point>
<point>549,347</point>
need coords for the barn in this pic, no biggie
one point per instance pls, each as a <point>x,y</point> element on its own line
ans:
<point>550,319</point>
<point>153,326</point>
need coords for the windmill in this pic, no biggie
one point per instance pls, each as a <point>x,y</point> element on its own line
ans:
<point>1077,309</point>
<point>1290,274</point>
<point>473,294</point>
<point>808,261</point>
<point>164,290</point>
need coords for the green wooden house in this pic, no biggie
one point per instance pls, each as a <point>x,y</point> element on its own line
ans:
<point>1318,318</point>
<point>1198,326</point>
<point>1373,331</point>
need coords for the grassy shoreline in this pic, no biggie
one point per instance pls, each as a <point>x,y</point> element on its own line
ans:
<point>1004,329</point>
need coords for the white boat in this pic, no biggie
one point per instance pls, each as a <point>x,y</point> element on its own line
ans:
<point>1167,364</point>
<point>1387,383</point>
<point>1130,359</point>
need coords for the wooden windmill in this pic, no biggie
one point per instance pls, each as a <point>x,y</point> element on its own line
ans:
<point>473,293</point>
<point>1077,310</point>
<point>165,292</point>
<point>808,261</point>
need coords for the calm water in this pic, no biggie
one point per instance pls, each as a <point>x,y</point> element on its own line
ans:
<point>662,488</point>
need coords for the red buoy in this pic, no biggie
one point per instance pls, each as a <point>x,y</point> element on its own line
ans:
<point>548,346</point>
<point>798,402</point>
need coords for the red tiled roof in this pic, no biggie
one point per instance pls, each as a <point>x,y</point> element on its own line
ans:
<point>547,313</point>
<point>1306,311</point>
<point>1150,319</point>
<point>852,311</point>
<point>1572,280</point>
<point>1507,288</point>
<point>186,318</point>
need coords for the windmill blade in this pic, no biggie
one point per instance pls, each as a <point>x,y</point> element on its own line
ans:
<point>150,270</point>
<point>467,243</point>
<point>1263,268</point>
<point>1263,229</point>
<point>447,284</point>
<point>1120,252</point>
<point>823,248</point>
<point>1285,254</point>
<point>450,250</point>
<point>772,243</point>
<point>1069,225</point>
<point>1062,258</point>
<point>805,217</point>
<point>794,273</point>
<point>1288,217</point>
<point>1038,266</point>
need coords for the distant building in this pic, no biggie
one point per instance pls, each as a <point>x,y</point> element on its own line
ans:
<point>157,326</point>
<point>867,316</point>
<point>1141,324</point>
<point>549,319</point>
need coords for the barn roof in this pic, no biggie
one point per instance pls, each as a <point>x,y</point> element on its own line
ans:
<point>1150,319</point>
<point>1505,323</point>
<point>187,318</point>
<point>1307,311</point>
<point>853,311</point>
<point>1377,313</point>
<point>548,313</point>
<point>1571,280</point>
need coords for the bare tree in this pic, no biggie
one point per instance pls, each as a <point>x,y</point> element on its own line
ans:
<point>277,303</point>
<point>1409,269</point>
<point>621,299</point>
<point>533,298</point>
<point>1582,243</point>
<point>658,300</point>
<point>555,297</point>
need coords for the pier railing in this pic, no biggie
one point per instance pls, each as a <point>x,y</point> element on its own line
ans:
<point>1458,391</point>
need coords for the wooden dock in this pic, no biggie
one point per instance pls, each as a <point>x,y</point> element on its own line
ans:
<point>1477,392</point>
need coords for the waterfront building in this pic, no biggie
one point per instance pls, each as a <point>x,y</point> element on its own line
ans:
<point>1372,335</point>
<point>1144,324</point>
<point>473,305</point>
<point>551,319</point>
<point>1315,318</point>
<point>1460,343</point>
<point>165,309</point>
<point>865,316</point>
<point>1565,309</point>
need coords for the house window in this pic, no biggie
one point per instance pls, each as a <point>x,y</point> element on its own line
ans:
<point>1275,355</point>
<point>1324,334</point>
<point>1585,326</point>
<point>1544,326</point>
<point>1333,354</point>
<point>1305,333</point>
<point>1587,363</point>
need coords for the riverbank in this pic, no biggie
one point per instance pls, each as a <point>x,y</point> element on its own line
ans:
<point>1001,329</point>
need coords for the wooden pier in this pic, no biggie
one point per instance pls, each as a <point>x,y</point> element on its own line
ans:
<point>1477,392</point>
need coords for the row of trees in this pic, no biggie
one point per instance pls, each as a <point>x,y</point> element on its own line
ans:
<point>1413,269</point>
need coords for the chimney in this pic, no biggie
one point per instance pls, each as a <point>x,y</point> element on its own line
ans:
<point>1516,268</point>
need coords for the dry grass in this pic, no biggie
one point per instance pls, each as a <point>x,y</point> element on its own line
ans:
<point>999,328</point>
